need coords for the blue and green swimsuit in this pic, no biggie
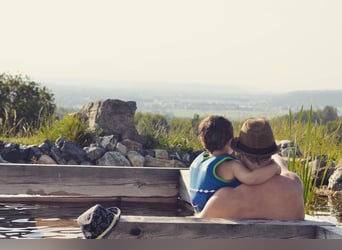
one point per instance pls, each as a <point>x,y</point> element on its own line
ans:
<point>203,179</point>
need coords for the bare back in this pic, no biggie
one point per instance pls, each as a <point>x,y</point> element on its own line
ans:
<point>280,198</point>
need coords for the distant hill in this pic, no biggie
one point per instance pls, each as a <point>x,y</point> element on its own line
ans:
<point>184,101</point>
<point>317,99</point>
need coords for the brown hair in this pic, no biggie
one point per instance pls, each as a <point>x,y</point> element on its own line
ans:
<point>215,132</point>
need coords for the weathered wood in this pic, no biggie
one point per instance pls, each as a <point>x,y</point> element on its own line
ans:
<point>83,199</point>
<point>150,227</point>
<point>60,183</point>
<point>184,185</point>
<point>328,232</point>
<point>88,181</point>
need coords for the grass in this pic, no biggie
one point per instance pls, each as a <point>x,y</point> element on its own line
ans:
<point>71,127</point>
<point>313,140</point>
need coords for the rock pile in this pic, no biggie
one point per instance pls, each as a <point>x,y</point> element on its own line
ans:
<point>106,151</point>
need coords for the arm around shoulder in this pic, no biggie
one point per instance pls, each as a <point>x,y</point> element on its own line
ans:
<point>256,176</point>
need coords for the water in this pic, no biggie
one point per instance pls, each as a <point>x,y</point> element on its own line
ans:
<point>58,220</point>
<point>48,220</point>
<point>37,221</point>
<point>328,208</point>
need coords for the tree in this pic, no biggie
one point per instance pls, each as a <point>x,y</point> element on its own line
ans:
<point>23,103</point>
<point>154,127</point>
<point>328,113</point>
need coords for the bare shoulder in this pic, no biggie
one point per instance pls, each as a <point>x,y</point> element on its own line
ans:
<point>225,169</point>
<point>290,176</point>
<point>230,163</point>
<point>286,181</point>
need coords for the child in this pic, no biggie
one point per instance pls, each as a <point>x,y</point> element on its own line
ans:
<point>217,167</point>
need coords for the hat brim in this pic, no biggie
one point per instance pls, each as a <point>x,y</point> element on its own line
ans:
<point>116,216</point>
<point>240,148</point>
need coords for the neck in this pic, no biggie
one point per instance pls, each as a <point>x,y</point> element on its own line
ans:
<point>226,150</point>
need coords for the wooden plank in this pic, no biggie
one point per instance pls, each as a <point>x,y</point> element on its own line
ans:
<point>113,181</point>
<point>83,199</point>
<point>184,185</point>
<point>152,227</point>
<point>328,232</point>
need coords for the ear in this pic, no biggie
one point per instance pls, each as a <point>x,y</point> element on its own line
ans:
<point>229,148</point>
<point>230,142</point>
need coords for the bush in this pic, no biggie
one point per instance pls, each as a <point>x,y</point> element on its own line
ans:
<point>72,128</point>
<point>24,105</point>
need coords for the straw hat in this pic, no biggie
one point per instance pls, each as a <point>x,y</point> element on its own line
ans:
<point>97,222</point>
<point>255,138</point>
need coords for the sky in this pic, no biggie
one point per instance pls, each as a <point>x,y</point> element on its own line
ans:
<point>267,45</point>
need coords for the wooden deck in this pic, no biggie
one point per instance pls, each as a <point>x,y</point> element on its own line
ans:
<point>150,227</point>
<point>60,183</point>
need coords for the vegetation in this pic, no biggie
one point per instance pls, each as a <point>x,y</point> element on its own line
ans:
<point>317,133</point>
<point>315,140</point>
<point>28,116</point>
<point>23,105</point>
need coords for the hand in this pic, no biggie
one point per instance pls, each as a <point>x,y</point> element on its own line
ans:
<point>277,165</point>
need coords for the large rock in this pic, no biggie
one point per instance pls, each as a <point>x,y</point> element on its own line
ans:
<point>335,180</point>
<point>112,116</point>
<point>136,159</point>
<point>113,158</point>
<point>155,162</point>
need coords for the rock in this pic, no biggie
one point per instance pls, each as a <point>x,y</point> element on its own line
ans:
<point>45,159</point>
<point>57,156</point>
<point>180,164</point>
<point>94,152</point>
<point>161,154</point>
<point>71,162</point>
<point>112,116</point>
<point>45,147</point>
<point>132,145</point>
<point>288,148</point>
<point>155,162</point>
<point>324,179</point>
<point>16,154</point>
<point>34,153</point>
<point>113,158</point>
<point>107,142</point>
<point>121,148</point>
<point>322,169</point>
<point>335,180</point>
<point>70,151</point>
<point>2,160</point>
<point>194,154</point>
<point>136,159</point>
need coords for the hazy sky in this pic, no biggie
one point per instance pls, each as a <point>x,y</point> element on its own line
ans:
<point>265,44</point>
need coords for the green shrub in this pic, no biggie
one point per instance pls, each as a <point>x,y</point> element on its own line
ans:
<point>72,128</point>
<point>23,105</point>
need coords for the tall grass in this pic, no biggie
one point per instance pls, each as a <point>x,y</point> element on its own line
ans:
<point>313,141</point>
<point>71,127</point>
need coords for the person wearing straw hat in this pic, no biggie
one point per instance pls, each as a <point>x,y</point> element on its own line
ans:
<point>216,167</point>
<point>279,198</point>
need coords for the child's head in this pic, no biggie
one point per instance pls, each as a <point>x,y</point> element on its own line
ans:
<point>215,132</point>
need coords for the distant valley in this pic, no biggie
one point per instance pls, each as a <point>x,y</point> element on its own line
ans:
<point>185,101</point>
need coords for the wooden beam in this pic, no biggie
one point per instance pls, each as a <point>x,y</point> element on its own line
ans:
<point>84,199</point>
<point>151,227</point>
<point>88,181</point>
<point>184,185</point>
<point>328,232</point>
